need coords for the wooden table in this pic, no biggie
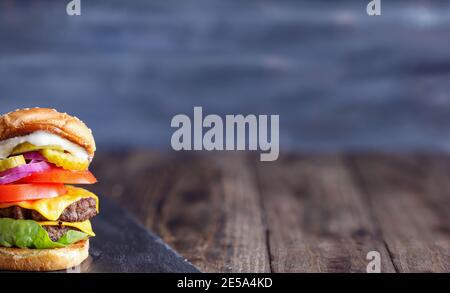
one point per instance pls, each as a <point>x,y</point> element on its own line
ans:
<point>228,212</point>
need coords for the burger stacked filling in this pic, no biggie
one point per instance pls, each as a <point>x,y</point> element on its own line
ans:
<point>40,207</point>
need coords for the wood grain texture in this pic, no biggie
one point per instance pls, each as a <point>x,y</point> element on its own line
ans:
<point>410,199</point>
<point>205,207</point>
<point>229,212</point>
<point>318,220</point>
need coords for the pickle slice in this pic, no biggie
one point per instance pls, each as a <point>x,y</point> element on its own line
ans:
<point>65,160</point>
<point>28,147</point>
<point>12,162</point>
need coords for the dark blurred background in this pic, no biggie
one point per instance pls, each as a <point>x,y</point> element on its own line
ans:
<point>339,79</point>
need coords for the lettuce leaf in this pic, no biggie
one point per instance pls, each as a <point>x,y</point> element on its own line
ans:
<point>29,234</point>
<point>72,236</point>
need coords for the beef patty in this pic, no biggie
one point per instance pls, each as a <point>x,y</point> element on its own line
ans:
<point>78,211</point>
<point>56,232</point>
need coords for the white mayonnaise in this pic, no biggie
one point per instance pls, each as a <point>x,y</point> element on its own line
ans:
<point>42,138</point>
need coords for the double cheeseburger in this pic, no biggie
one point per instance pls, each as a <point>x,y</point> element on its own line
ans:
<point>44,218</point>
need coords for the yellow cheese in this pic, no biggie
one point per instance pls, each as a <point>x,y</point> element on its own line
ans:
<point>52,208</point>
<point>82,226</point>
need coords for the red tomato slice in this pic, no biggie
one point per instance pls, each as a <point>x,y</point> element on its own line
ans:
<point>59,175</point>
<point>23,192</point>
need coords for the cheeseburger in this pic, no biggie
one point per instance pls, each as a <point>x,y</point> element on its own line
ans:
<point>44,219</point>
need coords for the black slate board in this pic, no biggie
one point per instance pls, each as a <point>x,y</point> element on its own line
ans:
<point>122,245</point>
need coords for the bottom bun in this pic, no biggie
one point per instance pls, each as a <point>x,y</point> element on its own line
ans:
<point>25,259</point>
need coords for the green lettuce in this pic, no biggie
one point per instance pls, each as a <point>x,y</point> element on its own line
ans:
<point>29,234</point>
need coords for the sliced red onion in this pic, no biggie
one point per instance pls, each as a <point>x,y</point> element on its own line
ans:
<point>34,156</point>
<point>15,174</point>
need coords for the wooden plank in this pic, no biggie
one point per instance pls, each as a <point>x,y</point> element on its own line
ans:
<point>226,212</point>
<point>410,200</point>
<point>317,219</point>
<point>206,207</point>
<point>137,180</point>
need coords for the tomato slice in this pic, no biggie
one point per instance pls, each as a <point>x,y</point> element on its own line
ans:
<point>23,192</point>
<point>59,175</point>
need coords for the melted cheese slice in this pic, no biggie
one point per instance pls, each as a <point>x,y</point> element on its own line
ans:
<point>52,208</point>
<point>85,226</point>
<point>42,138</point>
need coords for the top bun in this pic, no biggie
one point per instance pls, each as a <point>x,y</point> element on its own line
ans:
<point>25,121</point>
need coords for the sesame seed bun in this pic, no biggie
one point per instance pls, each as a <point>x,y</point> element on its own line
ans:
<point>25,121</point>
<point>25,259</point>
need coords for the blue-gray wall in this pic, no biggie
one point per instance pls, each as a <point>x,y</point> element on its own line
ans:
<point>338,78</point>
